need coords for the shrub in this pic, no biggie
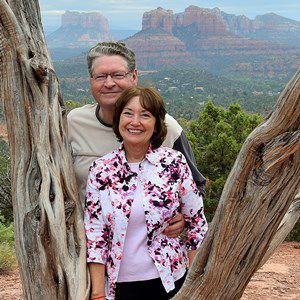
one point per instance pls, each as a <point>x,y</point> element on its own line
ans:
<point>8,259</point>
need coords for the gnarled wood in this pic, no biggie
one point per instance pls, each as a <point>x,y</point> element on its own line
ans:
<point>259,191</point>
<point>49,234</point>
<point>285,227</point>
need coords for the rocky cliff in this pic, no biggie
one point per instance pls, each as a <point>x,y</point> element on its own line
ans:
<point>79,30</point>
<point>158,19</point>
<point>213,39</point>
<point>204,22</point>
<point>156,49</point>
<point>268,27</point>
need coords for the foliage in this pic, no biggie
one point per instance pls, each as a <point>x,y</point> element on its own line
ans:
<point>7,253</point>
<point>216,138</point>
<point>185,90</point>
<point>5,190</point>
<point>294,235</point>
<point>71,105</point>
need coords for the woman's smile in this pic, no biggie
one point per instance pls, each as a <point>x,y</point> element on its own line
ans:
<point>136,124</point>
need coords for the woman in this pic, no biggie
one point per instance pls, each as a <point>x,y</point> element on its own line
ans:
<point>132,193</point>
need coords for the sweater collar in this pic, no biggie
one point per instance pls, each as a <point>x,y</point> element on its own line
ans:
<point>152,155</point>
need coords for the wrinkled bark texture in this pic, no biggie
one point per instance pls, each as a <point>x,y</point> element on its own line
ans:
<point>258,193</point>
<point>50,241</point>
<point>49,234</point>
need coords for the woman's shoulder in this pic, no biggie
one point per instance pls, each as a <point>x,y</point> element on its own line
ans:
<point>105,162</point>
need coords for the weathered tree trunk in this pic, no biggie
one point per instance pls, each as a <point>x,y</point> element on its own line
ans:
<point>50,240</point>
<point>49,234</point>
<point>285,227</point>
<point>259,191</point>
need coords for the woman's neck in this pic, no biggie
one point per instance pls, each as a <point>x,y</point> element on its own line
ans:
<point>135,153</point>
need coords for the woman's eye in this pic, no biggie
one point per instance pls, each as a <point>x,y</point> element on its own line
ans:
<point>127,113</point>
<point>145,115</point>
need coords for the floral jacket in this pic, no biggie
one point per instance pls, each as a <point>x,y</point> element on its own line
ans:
<point>168,188</point>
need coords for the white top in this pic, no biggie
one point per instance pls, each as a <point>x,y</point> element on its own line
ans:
<point>136,263</point>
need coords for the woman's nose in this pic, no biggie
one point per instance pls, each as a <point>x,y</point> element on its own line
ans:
<point>135,120</point>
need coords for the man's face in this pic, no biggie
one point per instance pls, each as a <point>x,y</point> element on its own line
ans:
<point>106,92</point>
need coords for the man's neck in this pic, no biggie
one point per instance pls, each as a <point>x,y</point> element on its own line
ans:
<point>106,116</point>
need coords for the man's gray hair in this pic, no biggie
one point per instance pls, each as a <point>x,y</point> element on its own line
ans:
<point>111,48</point>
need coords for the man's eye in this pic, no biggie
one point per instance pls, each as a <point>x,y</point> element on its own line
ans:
<point>118,76</point>
<point>100,77</point>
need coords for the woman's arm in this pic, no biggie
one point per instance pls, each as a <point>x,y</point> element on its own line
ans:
<point>97,233</point>
<point>191,208</point>
<point>97,272</point>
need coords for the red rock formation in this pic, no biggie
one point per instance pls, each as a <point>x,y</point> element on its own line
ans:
<point>158,18</point>
<point>79,30</point>
<point>205,21</point>
<point>240,25</point>
<point>85,20</point>
<point>156,50</point>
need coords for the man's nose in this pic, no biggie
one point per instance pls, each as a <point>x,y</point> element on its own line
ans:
<point>109,82</point>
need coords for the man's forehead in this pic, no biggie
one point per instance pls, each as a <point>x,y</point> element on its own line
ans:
<point>110,61</point>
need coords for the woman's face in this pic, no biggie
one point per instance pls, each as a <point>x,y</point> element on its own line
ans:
<point>136,124</point>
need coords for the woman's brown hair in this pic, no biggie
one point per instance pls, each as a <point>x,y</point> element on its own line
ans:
<point>150,100</point>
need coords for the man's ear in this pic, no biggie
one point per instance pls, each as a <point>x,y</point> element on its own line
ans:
<point>135,77</point>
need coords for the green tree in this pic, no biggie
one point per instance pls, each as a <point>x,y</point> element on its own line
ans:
<point>216,138</point>
<point>5,191</point>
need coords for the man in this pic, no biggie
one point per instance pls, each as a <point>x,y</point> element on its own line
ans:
<point>112,69</point>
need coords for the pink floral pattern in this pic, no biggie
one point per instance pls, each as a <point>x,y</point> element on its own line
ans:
<point>168,188</point>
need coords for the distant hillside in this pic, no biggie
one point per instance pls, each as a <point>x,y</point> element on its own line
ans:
<point>207,38</point>
<point>79,30</point>
<point>215,40</point>
<point>185,90</point>
<point>277,29</point>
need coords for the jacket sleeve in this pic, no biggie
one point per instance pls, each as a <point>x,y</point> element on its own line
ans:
<point>96,230</point>
<point>182,145</point>
<point>191,208</point>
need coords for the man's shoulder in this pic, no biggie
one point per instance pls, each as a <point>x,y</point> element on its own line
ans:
<point>174,131</point>
<point>172,123</point>
<point>81,112</point>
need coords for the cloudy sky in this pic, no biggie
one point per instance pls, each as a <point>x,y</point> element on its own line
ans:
<point>127,14</point>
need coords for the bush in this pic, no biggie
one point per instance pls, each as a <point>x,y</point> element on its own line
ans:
<point>294,235</point>
<point>5,190</point>
<point>8,259</point>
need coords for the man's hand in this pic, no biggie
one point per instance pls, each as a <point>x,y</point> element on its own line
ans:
<point>175,227</point>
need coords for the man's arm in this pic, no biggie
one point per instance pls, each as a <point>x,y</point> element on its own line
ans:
<point>182,145</point>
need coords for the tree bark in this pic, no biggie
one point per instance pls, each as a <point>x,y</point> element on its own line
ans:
<point>285,227</point>
<point>49,234</point>
<point>259,191</point>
